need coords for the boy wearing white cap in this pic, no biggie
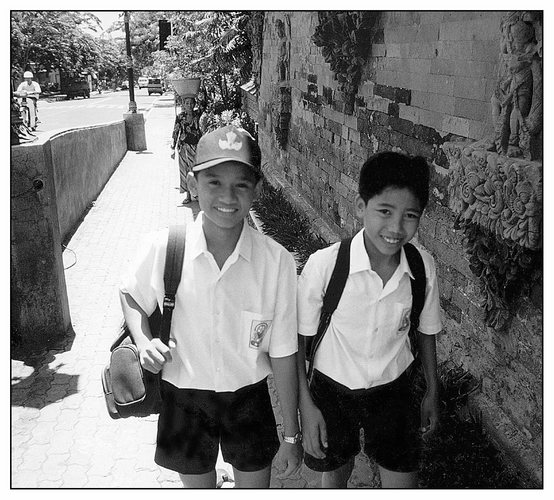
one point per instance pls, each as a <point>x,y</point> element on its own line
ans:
<point>233,324</point>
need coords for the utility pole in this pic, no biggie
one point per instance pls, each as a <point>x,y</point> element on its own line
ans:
<point>130,77</point>
<point>134,122</point>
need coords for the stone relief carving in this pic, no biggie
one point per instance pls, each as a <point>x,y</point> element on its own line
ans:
<point>282,92</point>
<point>255,29</point>
<point>495,185</point>
<point>498,205</point>
<point>517,100</point>
<point>501,194</point>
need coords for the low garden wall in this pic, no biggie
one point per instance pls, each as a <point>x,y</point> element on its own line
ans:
<point>53,182</point>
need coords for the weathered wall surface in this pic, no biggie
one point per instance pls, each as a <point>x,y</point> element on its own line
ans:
<point>53,181</point>
<point>429,80</point>
<point>83,161</point>
<point>39,305</point>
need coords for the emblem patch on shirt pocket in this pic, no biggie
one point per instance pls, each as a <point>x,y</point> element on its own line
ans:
<point>258,330</point>
<point>404,320</point>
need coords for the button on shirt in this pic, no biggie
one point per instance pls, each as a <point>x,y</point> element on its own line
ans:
<point>367,343</point>
<point>227,322</point>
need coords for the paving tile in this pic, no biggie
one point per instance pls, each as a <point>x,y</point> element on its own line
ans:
<point>62,436</point>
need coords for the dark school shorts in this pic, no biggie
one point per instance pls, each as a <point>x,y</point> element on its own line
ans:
<point>385,413</point>
<point>193,423</point>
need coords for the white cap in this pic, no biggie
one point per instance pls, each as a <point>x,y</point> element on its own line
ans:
<point>27,74</point>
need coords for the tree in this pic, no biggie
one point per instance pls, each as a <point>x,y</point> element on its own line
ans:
<point>144,35</point>
<point>53,39</point>
<point>215,46</point>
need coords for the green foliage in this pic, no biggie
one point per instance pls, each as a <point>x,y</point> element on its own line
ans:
<point>211,121</point>
<point>460,455</point>
<point>345,39</point>
<point>214,46</point>
<point>148,60</point>
<point>504,268</point>
<point>284,224</point>
<point>53,39</point>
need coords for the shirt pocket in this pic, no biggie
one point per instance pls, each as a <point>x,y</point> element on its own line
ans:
<point>256,330</point>
<point>395,318</point>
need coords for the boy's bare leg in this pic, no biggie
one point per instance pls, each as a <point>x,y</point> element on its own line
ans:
<point>391,479</point>
<point>338,478</point>
<point>207,480</point>
<point>257,479</point>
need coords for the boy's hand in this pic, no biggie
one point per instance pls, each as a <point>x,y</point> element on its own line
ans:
<point>288,459</point>
<point>154,355</point>
<point>314,430</point>
<point>429,414</point>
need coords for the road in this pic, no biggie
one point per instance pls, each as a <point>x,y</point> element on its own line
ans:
<point>99,108</point>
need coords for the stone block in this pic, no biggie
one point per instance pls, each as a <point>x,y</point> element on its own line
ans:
<point>405,127</point>
<point>484,51</point>
<point>455,50</point>
<point>444,104</point>
<point>470,108</point>
<point>470,88</point>
<point>420,99</point>
<point>428,32</point>
<point>455,125</point>
<point>421,50</point>
<point>441,66</point>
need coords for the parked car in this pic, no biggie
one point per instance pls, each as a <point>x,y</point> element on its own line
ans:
<point>124,85</point>
<point>142,82</point>
<point>155,86</point>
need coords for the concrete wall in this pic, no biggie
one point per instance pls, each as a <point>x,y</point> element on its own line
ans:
<point>429,80</point>
<point>83,161</point>
<point>53,181</point>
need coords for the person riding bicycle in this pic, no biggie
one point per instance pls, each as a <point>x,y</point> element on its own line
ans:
<point>30,90</point>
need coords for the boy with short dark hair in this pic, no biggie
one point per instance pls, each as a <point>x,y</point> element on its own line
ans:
<point>233,324</point>
<point>360,378</point>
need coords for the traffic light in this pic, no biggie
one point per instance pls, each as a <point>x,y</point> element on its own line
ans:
<point>165,31</point>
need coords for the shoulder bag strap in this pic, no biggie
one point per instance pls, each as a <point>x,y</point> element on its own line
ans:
<point>172,276</point>
<point>419,284</point>
<point>331,299</point>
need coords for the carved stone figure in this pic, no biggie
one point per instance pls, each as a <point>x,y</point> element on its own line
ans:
<point>517,100</point>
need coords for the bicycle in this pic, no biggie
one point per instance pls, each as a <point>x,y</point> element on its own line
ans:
<point>20,121</point>
<point>24,109</point>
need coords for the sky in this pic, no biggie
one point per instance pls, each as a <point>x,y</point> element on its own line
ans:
<point>107,18</point>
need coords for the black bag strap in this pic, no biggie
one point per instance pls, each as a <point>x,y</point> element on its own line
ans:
<point>174,257</point>
<point>336,287</point>
<point>419,284</point>
<point>331,299</point>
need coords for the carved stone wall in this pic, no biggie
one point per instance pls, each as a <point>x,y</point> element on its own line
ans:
<point>427,85</point>
<point>517,100</point>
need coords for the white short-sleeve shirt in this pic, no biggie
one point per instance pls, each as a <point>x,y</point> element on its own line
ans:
<point>367,343</point>
<point>29,87</point>
<point>227,322</point>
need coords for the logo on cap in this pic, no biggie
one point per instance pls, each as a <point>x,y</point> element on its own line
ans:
<point>231,142</point>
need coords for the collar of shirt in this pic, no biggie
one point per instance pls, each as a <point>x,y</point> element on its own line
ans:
<point>196,241</point>
<point>359,261</point>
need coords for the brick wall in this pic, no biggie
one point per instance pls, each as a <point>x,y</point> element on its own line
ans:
<point>429,80</point>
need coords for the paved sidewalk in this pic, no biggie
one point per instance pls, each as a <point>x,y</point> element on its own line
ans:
<point>62,436</point>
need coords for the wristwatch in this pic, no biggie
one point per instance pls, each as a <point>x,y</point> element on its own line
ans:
<point>293,439</point>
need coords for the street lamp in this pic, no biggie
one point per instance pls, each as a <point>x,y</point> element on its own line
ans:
<point>130,77</point>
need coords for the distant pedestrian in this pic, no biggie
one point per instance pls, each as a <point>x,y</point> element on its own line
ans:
<point>233,324</point>
<point>360,378</point>
<point>185,137</point>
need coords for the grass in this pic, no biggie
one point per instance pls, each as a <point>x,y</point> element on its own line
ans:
<point>460,455</point>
